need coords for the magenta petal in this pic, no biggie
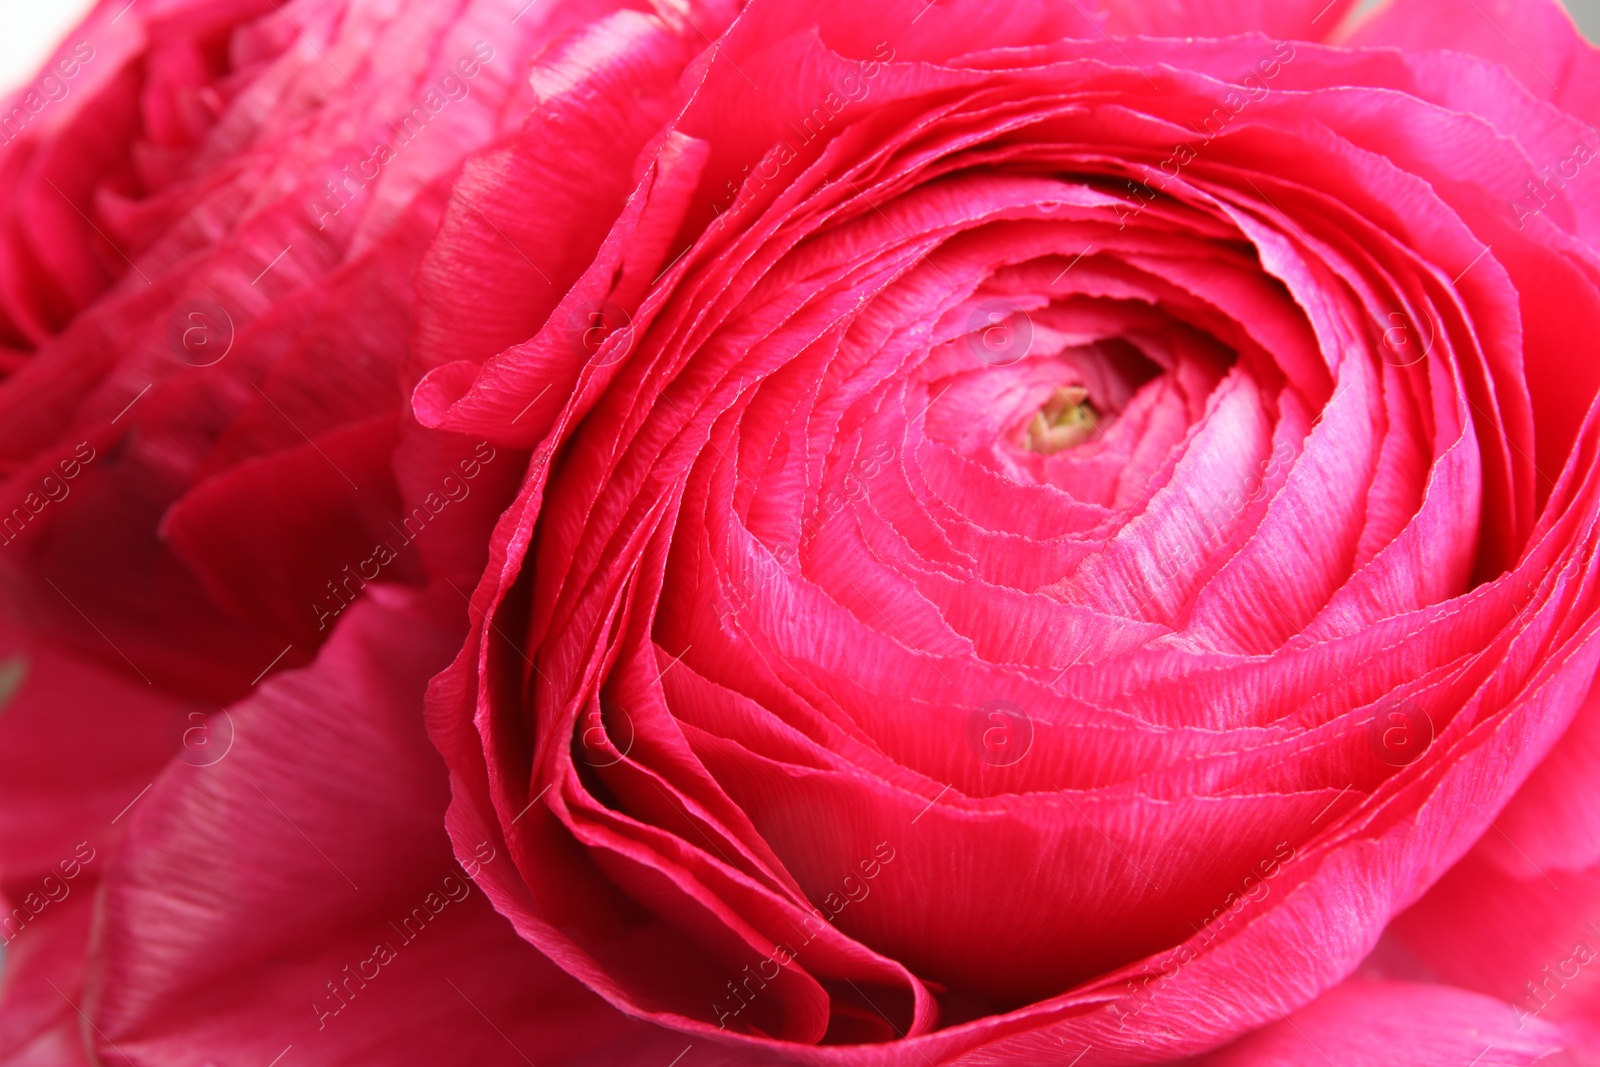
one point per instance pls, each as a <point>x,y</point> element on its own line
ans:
<point>78,744</point>
<point>1535,40</point>
<point>1024,532</point>
<point>1375,1024</point>
<point>43,993</point>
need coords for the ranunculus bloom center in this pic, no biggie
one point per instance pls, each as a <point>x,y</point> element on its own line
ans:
<point>1067,419</point>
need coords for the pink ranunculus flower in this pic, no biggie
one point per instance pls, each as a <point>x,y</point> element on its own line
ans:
<point>912,533</point>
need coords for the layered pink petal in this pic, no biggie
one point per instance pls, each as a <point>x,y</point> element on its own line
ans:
<point>805,559</point>
<point>328,916</point>
<point>1361,1023</point>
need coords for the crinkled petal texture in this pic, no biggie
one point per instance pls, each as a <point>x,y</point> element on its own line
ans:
<point>209,232</point>
<point>1047,526</point>
<point>212,219</point>
<point>1037,541</point>
<point>1373,1024</point>
<point>296,891</point>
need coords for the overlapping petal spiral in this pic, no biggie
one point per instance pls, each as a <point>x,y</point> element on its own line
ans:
<point>1067,527</point>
